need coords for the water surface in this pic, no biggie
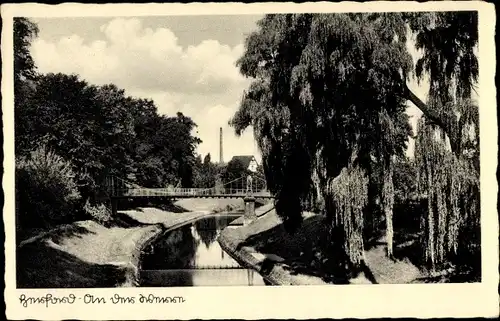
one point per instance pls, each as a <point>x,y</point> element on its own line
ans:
<point>191,256</point>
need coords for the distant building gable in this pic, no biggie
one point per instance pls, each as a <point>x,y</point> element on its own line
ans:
<point>248,161</point>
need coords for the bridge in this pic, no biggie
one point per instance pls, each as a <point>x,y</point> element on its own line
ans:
<point>240,187</point>
<point>190,193</point>
<point>249,187</point>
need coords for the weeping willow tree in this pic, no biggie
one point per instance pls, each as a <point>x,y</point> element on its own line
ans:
<point>327,105</point>
<point>323,98</point>
<point>448,156</point>
<point>348,194</point>
<point>450,179</point>
<point>451,183</point>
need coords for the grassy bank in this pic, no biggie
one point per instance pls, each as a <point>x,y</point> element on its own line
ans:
<point>87,254</point>
<point>280,258</point>
<point>83,254</point>
<point>285,259</point>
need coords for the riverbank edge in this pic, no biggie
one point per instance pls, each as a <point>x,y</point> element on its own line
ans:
<point>377,269</point>
<point>135,278</point>
<point>132,272</point>
<point>244,256</point>
<point>133,275</point>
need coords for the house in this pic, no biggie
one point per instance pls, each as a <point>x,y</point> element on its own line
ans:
<point>249,162</point>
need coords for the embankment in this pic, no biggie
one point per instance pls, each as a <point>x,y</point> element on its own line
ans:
<point>265,247</point>
<point>86,254</point>
<point>284,259</point>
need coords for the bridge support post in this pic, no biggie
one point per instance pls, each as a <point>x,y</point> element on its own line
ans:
<point>114,207</point>
<point>249,210</point>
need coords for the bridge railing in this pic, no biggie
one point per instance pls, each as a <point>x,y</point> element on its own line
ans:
<point>188,192</point>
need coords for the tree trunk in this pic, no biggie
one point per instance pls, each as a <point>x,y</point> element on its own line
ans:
<point>430,223</point>
<point>388,203</point>
<point>390,234</point>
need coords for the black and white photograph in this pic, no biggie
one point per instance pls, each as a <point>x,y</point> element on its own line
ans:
<point>247,149</point>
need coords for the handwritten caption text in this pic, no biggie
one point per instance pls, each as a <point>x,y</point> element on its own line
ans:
<point>50,299</point>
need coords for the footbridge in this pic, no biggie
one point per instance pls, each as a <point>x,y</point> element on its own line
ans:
<point>252,185</point>
<point>249,188</point>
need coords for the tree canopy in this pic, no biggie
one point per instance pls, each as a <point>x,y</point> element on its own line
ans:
<point>24,66</point>
<point>322,85</point>
<point>99,129</point>
<point>328,98</point>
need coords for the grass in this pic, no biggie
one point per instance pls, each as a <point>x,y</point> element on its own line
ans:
<point>84,254</point>
<point>300,253</point>
<point>290,257</point>
<point>451,275</point>
<point>151,215</point>
<point>88,254</point>
<point>40,265</point>
<point>296,250</point>
<point>209,204</point>
<point>387,271</point>
<point>164,204</point>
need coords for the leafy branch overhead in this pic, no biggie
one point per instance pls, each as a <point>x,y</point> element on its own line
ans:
<point>305,59</point>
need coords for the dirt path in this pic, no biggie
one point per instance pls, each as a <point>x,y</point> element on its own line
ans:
<point>151,215</point>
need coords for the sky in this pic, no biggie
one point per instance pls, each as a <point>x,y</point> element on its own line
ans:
<point>183,63</point>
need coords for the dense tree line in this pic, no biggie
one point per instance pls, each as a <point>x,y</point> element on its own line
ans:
<point>92,132</point>
<point>327,106</point>
<point>104,132</point>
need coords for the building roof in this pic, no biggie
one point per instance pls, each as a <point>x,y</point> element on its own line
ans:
<point>244,159</point>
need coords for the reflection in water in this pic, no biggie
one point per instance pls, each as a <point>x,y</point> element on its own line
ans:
<point>191,256</point>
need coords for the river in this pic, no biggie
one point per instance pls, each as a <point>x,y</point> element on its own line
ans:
<point>191,256</point>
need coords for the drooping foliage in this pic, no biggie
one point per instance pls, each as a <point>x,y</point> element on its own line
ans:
<point>451,183</point>
<point>448,41</point>
<point>329,93</point>
<point>321,84</point>
<point>448,158</point>
<point>349,195</point>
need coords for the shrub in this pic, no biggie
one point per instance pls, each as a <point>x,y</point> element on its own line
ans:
<point>46,192</point>
<point>99,213</point>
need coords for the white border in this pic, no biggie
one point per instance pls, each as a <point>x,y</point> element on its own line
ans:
<point>433,300</point>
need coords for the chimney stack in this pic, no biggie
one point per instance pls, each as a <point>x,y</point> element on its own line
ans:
<point>221,157</point>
